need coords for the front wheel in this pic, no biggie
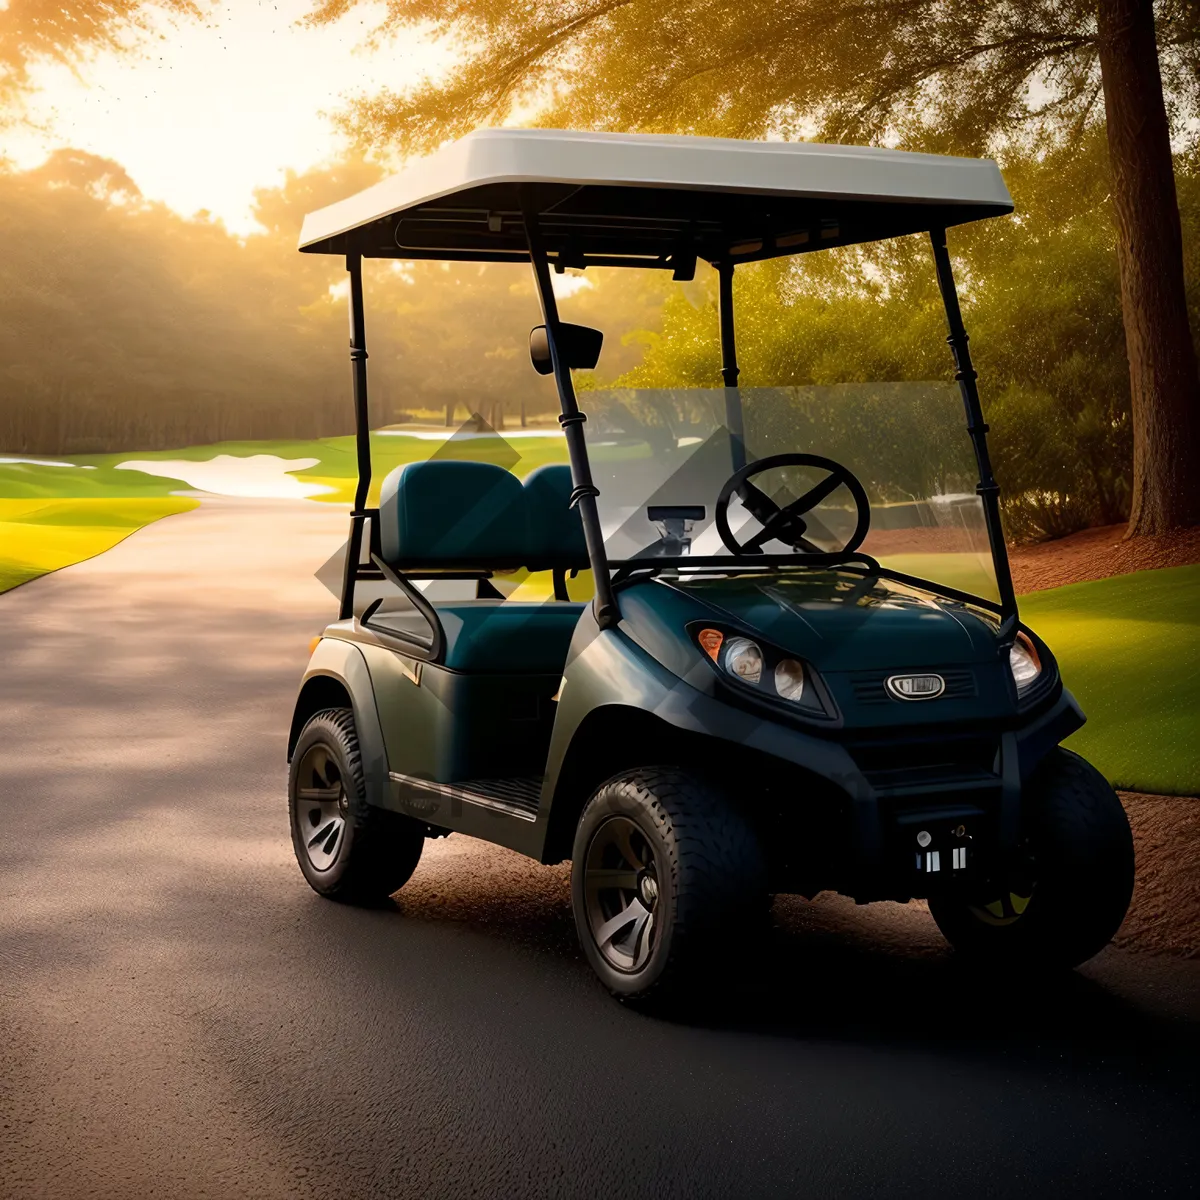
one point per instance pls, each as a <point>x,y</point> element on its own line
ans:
<point>668,884</point>
<point>347,849</point>
<point>1068,896</point>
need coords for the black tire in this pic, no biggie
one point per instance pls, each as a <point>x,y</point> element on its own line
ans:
<point>1072,894</point>
<point>366,853</point>
<point>709,897</point>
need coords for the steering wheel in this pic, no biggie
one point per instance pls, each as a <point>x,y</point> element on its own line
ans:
<point>787,524</point>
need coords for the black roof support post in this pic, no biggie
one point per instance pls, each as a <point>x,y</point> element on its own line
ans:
<point>584,491</point>
<point>965,374</point>
<point>729,366</point>
<point>362,433</point>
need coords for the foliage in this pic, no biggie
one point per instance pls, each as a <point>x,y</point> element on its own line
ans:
<point>945,74</point>
<point>125,326</point>
<point>959,76</point>
<point>1129,651</point>
<point>41,31</point>
<point>1041,302</point>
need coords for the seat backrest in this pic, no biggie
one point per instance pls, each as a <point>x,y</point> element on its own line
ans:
<point>447,513</point>
<point>555,530</point>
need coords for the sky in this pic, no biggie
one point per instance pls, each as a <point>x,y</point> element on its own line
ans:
<point>202,118</point>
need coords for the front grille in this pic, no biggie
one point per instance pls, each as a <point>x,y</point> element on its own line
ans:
<point>919,764</point>
<point>870,687</point>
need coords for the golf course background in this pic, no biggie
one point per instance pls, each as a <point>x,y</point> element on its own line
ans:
<point>1129,647</point>
<point>53,515</point>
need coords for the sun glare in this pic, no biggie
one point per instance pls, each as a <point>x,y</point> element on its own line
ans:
<point>215,109</point>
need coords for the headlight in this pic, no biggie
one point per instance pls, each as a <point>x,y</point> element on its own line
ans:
<point>765,669</point>
<point>789,678</point>
<point>1024,662</point>
<point>744,659</point>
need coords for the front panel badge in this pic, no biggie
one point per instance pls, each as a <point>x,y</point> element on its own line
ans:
<point>915,687</point>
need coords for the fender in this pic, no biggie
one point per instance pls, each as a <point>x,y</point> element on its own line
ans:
<point>333,663</point>
<point>605,667</point>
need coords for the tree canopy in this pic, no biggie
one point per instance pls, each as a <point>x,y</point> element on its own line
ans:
<point>941,74</point>
<point>956,76</point>
<point>124,325</point>
<point>39,31</point>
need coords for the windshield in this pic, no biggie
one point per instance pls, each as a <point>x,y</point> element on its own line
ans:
<point>661,457</point>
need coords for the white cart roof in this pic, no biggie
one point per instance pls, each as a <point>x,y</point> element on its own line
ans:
<point>650,199</point>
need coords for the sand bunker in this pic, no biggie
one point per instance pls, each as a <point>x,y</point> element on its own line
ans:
<point>260,475</point>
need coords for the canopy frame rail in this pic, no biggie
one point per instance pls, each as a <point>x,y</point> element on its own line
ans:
<point>729,364</point>
<point>583,492</point>
<point>359,515</point>
<point>977,429</point>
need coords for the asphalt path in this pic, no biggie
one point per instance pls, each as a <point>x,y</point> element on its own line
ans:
<point>181,1017</point>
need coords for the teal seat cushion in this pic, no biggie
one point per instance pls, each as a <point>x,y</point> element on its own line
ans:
<point>507,636</point>
<point>444,513</point>
<point>555,530</point>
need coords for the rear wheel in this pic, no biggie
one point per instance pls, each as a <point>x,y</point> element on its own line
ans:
<point>347,849</point>
<point>1067,897</point>
<point>668,884</point>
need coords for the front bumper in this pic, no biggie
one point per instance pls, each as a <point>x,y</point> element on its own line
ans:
<point>960,784</point>
<point>841,807</point>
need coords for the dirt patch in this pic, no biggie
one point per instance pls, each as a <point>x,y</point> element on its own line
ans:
<point>1164,917</point>
<point>1099,554</point>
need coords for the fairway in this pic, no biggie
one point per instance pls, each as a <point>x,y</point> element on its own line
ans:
<point>54,515</point>
<point>1129,649</point>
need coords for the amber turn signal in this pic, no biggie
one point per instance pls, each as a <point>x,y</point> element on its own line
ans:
<point>710,642</point>
<point>312,646</point>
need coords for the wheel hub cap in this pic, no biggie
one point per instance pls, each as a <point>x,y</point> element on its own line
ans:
<point>621,893</point>
<point>321,805</point>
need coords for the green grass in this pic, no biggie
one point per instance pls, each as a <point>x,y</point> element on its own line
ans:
<point>1129,649</point>
<point>34,481</point>
<point>51,517</point>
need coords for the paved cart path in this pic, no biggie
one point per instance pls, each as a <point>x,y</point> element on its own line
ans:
<point>181,1017</point>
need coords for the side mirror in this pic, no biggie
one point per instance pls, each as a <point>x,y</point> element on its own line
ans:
<point>578,345</point>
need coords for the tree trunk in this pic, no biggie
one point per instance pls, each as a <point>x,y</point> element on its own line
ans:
<point>1162,360</point>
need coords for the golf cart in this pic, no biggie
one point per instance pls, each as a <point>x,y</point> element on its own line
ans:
<point>801,667</point>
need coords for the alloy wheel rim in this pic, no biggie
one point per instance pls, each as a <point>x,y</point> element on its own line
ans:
<point>1005,909</point>
<point>1011,899</point>
<point>622,894</point>
<point>321,806</point>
